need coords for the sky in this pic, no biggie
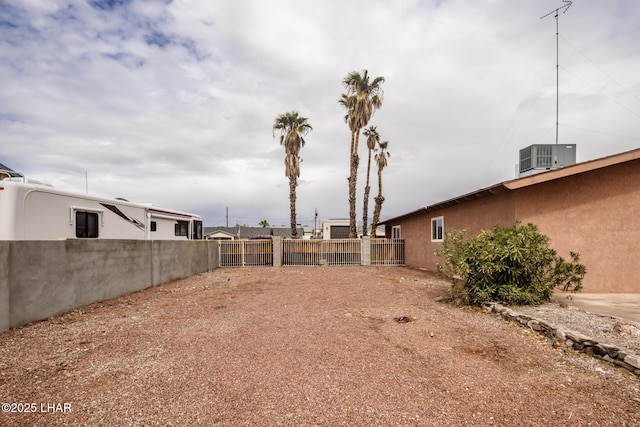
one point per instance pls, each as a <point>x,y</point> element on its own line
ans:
<point>173,102</point>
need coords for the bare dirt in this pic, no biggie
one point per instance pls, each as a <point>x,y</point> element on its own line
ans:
<point>301,346</point>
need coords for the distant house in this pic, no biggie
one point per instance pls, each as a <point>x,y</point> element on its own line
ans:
<point>217,234</point>
<point>339,229</point>
<point>243,232</point>
<point>335,229</point>
<point>592,208</point>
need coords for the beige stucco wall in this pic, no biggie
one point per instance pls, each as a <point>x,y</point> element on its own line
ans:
<point>594,213</point>
<point>472,216</point>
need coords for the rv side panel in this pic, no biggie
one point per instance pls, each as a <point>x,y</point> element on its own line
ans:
<point>50,215</point>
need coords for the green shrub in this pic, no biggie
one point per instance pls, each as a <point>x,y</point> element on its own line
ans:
<point>513,265</point>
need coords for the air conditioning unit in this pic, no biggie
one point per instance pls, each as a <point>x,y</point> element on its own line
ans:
<point>543,157</point>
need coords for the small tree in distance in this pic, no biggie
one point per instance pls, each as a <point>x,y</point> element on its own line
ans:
<point>512,265</point>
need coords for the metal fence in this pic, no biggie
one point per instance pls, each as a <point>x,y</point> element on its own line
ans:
<point>246,253</point>
<point>387,252</point>
<point>319,252</point>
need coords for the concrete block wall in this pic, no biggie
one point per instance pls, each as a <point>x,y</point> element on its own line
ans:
<point>40,279</point>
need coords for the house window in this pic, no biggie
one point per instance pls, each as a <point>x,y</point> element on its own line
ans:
<point>437,229</point>
<point>86,225</point>
<point>395,232</point>
<point>182,228</point>
<point>154,226</point>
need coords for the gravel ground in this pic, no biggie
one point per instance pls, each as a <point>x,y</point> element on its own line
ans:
<point>605,329</point>
<point>301,346</point>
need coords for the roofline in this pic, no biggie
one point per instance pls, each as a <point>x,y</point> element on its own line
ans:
<point>527,181</point>
<point>576,169</point>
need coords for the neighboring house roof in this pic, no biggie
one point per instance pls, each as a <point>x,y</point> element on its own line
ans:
<point>246,232</point>
<point>527,181</point>
<point>7,168</point>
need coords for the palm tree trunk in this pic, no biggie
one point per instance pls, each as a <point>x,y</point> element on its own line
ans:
<point>292,205</point>
<point>353,177</point>
<point>365,209</point>
<point>379,201</point>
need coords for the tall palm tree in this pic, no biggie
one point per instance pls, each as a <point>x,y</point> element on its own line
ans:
<point>361,98</point>
<point>293,128</point>
<point>373,138</point>
<point>382,160</point>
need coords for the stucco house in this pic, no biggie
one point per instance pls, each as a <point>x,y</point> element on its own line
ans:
<point>244,232</point>
<point>592,208</point>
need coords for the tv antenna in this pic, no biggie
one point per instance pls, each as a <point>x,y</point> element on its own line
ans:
<point>563,8</point>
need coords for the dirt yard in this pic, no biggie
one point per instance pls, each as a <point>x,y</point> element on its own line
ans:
<point>300,346</point>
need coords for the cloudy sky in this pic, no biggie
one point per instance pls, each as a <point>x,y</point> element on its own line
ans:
<point>173,102</point>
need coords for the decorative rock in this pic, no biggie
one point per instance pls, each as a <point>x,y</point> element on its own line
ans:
<point>633,360</point>
<point>627,329</point>
<point>533,324</point>
<point>575,340</point>
<point>523,320</point>
<point>609,348</point>
<point>598,350</point>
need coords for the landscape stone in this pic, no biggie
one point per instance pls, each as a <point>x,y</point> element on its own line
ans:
<point>633,360</point>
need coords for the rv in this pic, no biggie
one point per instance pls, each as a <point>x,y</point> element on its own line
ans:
<point>31,210</point>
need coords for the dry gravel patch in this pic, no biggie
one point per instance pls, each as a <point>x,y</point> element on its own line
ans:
<point>302,346</point>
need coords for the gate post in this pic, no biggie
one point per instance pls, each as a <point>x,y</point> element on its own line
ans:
<point>365,250</point>
<point>277,251</point>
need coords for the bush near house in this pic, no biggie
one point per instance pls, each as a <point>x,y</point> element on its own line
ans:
<point>513,265</point>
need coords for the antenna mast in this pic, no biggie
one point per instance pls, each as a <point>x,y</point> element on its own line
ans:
<point>564,8</point>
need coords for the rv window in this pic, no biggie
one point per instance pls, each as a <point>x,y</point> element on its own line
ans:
<point>197,230</point>
<point>154,226</point>
<point>86,225</point>
<point>182,228</point>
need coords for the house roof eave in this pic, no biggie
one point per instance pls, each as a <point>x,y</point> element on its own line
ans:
<point>527,181</point>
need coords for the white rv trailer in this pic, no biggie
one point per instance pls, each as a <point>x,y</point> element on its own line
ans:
<point>31,210</point>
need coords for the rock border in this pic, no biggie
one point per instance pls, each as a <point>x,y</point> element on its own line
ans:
<point>571,339</point>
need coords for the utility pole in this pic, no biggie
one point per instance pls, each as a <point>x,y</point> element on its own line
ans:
<point>227,217</point>
<point>567,5</point>
<point>315,220</point>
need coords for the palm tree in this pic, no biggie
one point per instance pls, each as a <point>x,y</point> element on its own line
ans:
<point>293,128</point>
<point>373,137</point>
<point>381,160</point>
<point>264,223</point>
<point>361,99</point>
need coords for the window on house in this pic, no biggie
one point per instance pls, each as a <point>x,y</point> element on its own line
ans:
<point>154,226</point>
<point>182,228</point>
<point>86,225</point>
<point>437,229</point>
<point>395,232</point>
